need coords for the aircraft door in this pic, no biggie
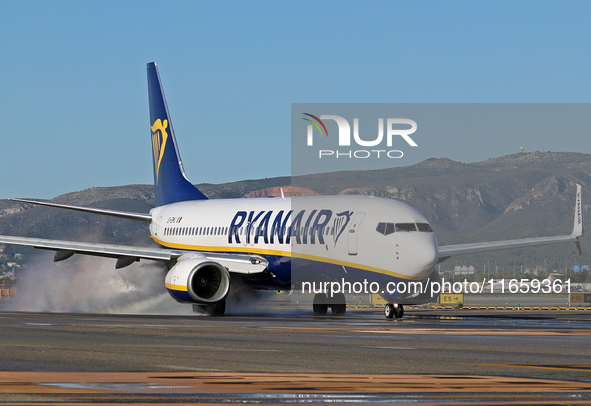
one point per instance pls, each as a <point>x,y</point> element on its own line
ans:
<point>249,237</point>
<point>245,237</point>
<point>158,226</point>
<point>353,232</point>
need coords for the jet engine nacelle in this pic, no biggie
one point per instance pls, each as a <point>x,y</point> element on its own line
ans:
<point>198,280</point>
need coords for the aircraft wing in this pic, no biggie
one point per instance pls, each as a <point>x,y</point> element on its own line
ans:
<point>448,251</point>
<point>126,255</point>
<point>146,218</point>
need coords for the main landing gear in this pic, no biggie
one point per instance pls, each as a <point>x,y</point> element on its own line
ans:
<point>216,309</point>
<point>393,311</point>
<point>337,303</point>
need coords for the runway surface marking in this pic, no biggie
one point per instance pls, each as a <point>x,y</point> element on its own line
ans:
<point>582,368</point>
<point>508,331</point>
<point>484,332</point>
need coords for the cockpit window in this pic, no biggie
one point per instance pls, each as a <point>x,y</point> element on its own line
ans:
<point>385,228</point>
<point>406,227</point>
<point>389,228</point>
<point>425,227</point>
<point>381,228</point>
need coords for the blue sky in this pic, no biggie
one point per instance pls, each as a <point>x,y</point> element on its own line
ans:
<point>74,98</point>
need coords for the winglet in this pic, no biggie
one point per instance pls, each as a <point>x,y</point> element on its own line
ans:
<point>579,223</point>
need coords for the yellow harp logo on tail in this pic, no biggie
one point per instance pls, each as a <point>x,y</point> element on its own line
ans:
<point>159,137</point>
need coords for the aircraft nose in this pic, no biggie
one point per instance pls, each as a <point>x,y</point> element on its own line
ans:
<point>420,253</point>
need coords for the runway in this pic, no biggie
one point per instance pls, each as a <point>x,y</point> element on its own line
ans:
<point>427,356</point>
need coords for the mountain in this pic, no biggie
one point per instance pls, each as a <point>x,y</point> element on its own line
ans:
<point>513,196</point>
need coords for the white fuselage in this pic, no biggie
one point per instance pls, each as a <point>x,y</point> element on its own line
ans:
<point>371,234</point>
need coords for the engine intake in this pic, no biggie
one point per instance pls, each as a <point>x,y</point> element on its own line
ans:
<point>209,282</point>
<point>198,280</point>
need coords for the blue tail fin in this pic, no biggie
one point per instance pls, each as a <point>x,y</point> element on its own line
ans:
<point>170,182</point>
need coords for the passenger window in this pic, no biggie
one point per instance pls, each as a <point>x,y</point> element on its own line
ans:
<point>406,227</point>
<point>425,227</point>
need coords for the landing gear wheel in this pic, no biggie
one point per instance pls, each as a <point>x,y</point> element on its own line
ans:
<point>398,311</point>
<point>320,304</point>
<point>389,311</point>
<point>216,309</point>
<point>338,304</point>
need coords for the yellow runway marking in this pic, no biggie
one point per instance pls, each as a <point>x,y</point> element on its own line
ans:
<point>482,332</point>
<point>582,368</point>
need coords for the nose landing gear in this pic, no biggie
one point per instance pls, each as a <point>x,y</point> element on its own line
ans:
<point>393,311</point>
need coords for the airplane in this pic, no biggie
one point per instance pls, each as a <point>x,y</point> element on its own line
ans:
<point>277,243</point>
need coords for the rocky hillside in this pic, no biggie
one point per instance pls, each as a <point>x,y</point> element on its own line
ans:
<point>514,196</point>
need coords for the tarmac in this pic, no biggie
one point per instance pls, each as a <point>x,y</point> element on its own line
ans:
<point>287,355</point>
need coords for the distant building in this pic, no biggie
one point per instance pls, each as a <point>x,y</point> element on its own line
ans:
<point>464,270</point>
